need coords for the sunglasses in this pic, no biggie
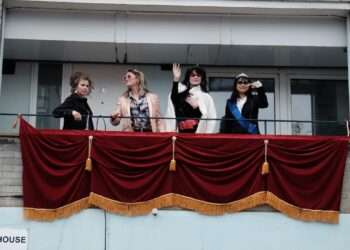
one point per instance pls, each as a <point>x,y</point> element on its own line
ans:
<point>195,75</point>
<point>243,82</point>
<point>126,77</point>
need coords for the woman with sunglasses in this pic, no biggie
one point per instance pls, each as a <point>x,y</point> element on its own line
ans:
<point>75,109</point>
<point>190,103</point>
<point>140,107</point>
<point>242,108</point>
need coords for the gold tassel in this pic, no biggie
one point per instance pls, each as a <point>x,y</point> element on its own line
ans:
<point>265,169</point>
<point>88,163</point>
<point>172,166</point>
<point>17,120</point>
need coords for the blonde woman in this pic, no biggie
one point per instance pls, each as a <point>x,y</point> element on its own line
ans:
<point>140,107</point>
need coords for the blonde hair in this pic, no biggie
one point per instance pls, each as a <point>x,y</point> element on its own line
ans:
<point>141,77</point>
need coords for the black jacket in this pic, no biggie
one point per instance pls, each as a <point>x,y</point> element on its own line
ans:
<point>250,110</point>
<point>183,108</point>
<point>79,104</point>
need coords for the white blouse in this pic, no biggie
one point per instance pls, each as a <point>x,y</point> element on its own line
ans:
<point>240,103</point>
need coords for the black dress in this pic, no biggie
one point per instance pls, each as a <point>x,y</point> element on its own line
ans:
<point>79,104</point>
<point>250,110</point>
<point>183,108</point>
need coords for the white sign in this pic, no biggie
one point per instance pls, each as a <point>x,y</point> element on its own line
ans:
<point>13,239</point>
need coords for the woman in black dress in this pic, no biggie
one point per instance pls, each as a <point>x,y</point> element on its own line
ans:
<point>75,110</point>
<point>242,109</point>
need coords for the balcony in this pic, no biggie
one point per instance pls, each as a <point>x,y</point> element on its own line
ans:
<point>11,175</point>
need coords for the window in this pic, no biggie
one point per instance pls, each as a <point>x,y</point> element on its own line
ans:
<point>325,102</point>
<point>49,94</point>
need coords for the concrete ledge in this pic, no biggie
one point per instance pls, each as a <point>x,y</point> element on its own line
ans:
<point>331,7</point>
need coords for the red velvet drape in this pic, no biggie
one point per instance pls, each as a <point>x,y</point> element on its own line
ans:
<point>53,176</point>
<point>308,171</point>
<point>214,173</point>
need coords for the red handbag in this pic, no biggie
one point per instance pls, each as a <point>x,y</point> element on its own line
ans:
<point>188,124</point>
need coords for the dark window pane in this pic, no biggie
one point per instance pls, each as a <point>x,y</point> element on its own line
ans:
<point>49,93</point>
<point>326,101</point>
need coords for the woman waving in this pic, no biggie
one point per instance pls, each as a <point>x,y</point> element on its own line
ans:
<point>190,103</point>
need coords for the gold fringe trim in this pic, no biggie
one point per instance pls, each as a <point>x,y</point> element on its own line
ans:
<point>328,216</point>
<point>209,208</point>
<point>57,213</point>
<point>176,200</point>
<point>130,209</point>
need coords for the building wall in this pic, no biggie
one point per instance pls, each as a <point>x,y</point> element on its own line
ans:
<point>16,94</point>
<point>170,229</point>
<point>93,229</point>
<point>175,28</point>
<point>1,39</point>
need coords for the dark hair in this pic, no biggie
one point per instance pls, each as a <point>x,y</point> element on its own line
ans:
<point>200,72</point>
<point>235,93</point>
<point>75,79</point>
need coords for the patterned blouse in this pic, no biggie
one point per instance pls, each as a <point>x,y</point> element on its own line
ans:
<point>139,112</point>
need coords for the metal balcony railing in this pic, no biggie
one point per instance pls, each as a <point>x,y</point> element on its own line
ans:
<point>267,126</point>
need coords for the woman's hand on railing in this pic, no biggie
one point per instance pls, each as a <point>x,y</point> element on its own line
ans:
<point>115,118</point>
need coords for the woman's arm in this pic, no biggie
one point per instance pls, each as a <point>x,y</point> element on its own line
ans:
<point>260,98</point>
<point>66,110</point>
<point>175,98</point>
<point>159,122</point>
<point>115,116</point>
<point>225,123</point>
